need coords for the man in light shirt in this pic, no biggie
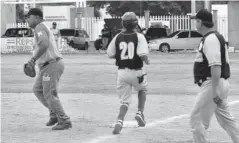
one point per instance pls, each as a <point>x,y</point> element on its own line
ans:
<point>55,31</point>
<point>51,67</point>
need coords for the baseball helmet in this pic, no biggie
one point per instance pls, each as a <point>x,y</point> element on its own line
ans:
<point>129,20</point>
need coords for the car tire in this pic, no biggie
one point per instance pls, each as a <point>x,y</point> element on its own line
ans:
<point>73,45</point>
<point>165,48</point>
<point>86,46</point>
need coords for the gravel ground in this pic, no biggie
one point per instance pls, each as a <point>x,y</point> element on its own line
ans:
<point>87,92</point>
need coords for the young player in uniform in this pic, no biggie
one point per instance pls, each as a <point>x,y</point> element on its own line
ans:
<point>211,73</point>
<point>51,66</point>
<point>130,49</point>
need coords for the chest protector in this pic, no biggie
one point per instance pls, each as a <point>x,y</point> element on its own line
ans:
<point>201,67</point>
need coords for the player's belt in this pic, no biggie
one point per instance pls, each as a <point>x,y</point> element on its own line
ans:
<point>200,82</point>
<point>48,62</point>
<point>120,68</point>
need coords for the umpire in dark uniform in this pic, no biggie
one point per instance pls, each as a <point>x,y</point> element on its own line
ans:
<point>211,73</point>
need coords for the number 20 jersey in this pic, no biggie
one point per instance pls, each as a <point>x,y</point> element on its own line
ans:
<point>126,51</point>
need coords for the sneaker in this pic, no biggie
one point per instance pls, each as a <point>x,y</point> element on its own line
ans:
<point>52,122</point>
<point>62,126</point>
<point>118,127</point>
<point>140,119</point>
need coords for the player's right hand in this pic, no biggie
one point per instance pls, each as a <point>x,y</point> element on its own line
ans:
<point>217,100</point>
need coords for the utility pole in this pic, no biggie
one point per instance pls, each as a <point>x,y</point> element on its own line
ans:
<point>215,19</point>
<point>193,12</point>
<point>78,15</point>
<point>147,15</point>
<point>193,7</point>
<point>207,5</point>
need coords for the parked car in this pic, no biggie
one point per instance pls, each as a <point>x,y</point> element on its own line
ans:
<point>155,33</point>
<point>18,32</point>
<point>77,38</point>
<point>183,39</point>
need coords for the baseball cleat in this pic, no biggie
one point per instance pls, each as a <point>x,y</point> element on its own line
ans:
<point>118,127</point>
<point>62,126</point>
<point>140,119</point>
<point>52,122</point>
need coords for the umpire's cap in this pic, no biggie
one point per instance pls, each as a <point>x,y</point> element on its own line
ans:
<point>35,11</point>
<point>205,16</point>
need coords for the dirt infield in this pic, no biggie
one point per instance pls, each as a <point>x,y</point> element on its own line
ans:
<point>24,118</point>
<point>94,73</point>
<point>87,91</point>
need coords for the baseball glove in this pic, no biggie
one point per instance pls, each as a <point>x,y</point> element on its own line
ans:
<point>29,69</point>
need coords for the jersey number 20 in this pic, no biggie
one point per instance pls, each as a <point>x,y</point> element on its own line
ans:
<point>126,47</point>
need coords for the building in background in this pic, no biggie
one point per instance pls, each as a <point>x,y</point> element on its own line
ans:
<point>53,10</point>
<point>8,15</point>
<point>233,22</point>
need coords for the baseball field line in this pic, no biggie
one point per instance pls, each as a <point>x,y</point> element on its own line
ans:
<point>149,125</point>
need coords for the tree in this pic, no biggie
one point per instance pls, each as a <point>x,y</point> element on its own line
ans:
<point>118,8</point>
<point>20,13</point>
<point>97,6</point>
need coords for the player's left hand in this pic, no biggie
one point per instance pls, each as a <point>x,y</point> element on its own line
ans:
<point>29,68</point>
<point>217,100</point>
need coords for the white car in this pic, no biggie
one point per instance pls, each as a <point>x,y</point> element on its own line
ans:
<point>183,39</point>
<point>77,38</point>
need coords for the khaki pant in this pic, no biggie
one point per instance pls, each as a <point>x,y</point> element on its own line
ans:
<point>127,79</point>
<point>205,107</point>
<point>45,89</point>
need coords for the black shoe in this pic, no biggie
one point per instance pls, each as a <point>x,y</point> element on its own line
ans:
<point>118,127</point>
<point>52,122</point>
<point>140,119</point>
<point>62,126</point>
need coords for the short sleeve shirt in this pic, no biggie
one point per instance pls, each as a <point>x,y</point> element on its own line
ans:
<point>212,50</point>
<point>42,33</point>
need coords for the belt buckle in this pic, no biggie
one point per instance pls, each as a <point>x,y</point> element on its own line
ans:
<point>58,58</point>
<point>200,82</point>
<point>208,78</point>
<point>48,62</point>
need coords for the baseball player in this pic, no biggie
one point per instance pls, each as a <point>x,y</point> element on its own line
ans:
<point>130,49</point>
<point>51,67</point>
<point>55,32</point>
<point>211,73</point>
